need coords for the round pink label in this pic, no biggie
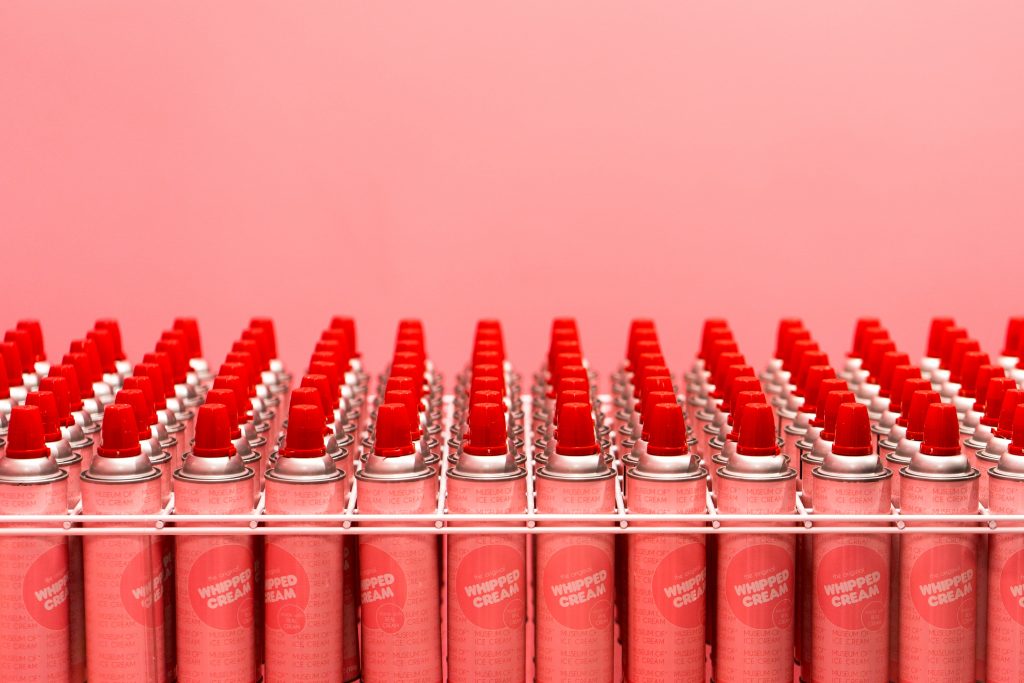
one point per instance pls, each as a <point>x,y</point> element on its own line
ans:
<point>943,585</point>
<point>45,589</point>
<point>578,587</point>
<point>142,585</point>
<point>759,586</point>
<point>382,590</point>
<point>852,583</point>
<point>679,584</point>
<point>285,589</point>
<point>1011,586</point>
<point>490,586</point>
<point>221,587</point>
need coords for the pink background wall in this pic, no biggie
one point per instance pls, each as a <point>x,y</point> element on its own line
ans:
<point>518,159</point>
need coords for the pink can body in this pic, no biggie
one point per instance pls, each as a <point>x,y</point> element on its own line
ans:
<point>756,587</point>
<point>575,587</point>
<point>350,609</point>
<point>302,588</point>
<point>124,588</point>
<point>1005,646</point>
<point>938,586</point>
<point>76,599</point>
<point>216,588</point>
<point>486,587</point>
<point>667,586</point>
<point>398,582</point>
<point>34,574</point>
<point>850,587</point>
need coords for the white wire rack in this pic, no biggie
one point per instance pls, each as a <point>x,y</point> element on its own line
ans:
<point>802,521</point>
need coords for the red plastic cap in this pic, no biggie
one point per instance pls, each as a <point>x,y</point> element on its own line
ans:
<point>411,402</point>
<point>479,383</point>
<point>137,400</point>
<point>156,382</point>
<point>941,430</point>
<point>576,434</point>
<point>343,345</point>
<point>757,433</point>
<point>120,435</point>
<point>986,373</point>
<point>305,435</point>
<point>786,327</point>
<point>145,385</point>
<point>267,325</point>
<point>787,339</point>
<point>935,332</point>
<point>163,361</point>
<point>252,348</point>
<point>956,357</point>
<point>1014,337</point>
<point>46,401</point>
<point>105,348</point>
<point>61,389</point>
<point>650,400</point>
<point>251,364</point>
<point>488,433</point>
<point>718,348</point>
<point>667,429</point>
<point>972,363</point>
<point>739,408</point>
<point>190,326</point>
<point>739,385</point>
<point>237,385</point>
<point>179,364</point>
<point>348,326</point>
<point>858,335</point>
<point>393,434</point>
<point>911,387</point>
<point>997,388</point>
<point>713,330</point>
<point>830,420</point>
<point>485,396</point>
<point>651,383</point>
<point>69,373</point>
<point>949,337</point>
<point>22,340</point>
<point>873,362</point>
<point>80,362</point>
<point>306,396</point>
<point>112,326</point>
<point>36,331</point>
<point>228,399</point>
<point>853,430</point>
<point>322,385</point>
<point>5,383</point>
<point>816,374</point>
<point>890,360</point>
<point>1011,399</point>
<point>809,360</point>
<point>796,355</point>
<point>26,435</point>
<point>900,375</point>
<point>919,403</point>
<point>12,361</point>
<point>330,371</point>
<point>92,353</point>
<point>213,432</point>
<point>722,365</point>
<point>262,340</point>
<point>1017,441</point>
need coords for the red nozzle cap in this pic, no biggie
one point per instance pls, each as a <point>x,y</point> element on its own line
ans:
<point>941,430</point>
<point>402,383</point>
<point>910,387</point>
<point>739,407</point>
<point>972,362</point>
<point>786,340</point>
<point>650,400</point>
<point>262,340</point>
<point>1017,443</point>
<point>345,350</point>
<point>486,357</point>
<point>573,384</point>
<point>576,434</point>
<point>190,326</point>
<point>69,373</point>
<point>1014,337</point>
<point>61,389</point>
<point>213,431</point>
<point>956,359</point>
<point>46,401</point>
<point>1011,399</point>
<point>488,433</point>
<point>853,430</point>
<point>26,435</point>
<point>104,342</point>
<point>713,330</point>
<point>322,385</point>
<point>112,326</point>
<point>796,356</point>
<point>858,335</point>
<point>808,361</point>
<point>81,364</point>
<point>732,373</point>
<point>305,435</point>
<point>900,375</point>
<point>919,403</point>
<point>722,365</point>
<point>757,434</point>
<point>740,384</point>
<point>997,388</point>
<point>830,420</point>
<point>411,402</point>
<point>163,361</point>
<point>22,341</point>
<point>718,348</point>
<point>307,396</point>
<point>986,373</point>
<point>237,385</point>
<point>348,326</point>
<point>330,371</point>
<point>935,332</point>
<point>137,400</point>
<point>876,350</point>
<point>36,331</point>
<point>485,396</point>
<point>228,399</point>
<point>252,370</point>
<point>156,383</point>
<point>92,354</point>
<point>949,337</point>
<point>651,383</point>
<point>179,364</point>
<point>267,325</point>
<point>144,385</point>
<point>5,383</point>
<point>12,361</point>
<point>120,435</point>
<point>494,384</point>
<point>393,432</point>
<point>826,387</point>
<point>667,429</point>
<point>571,396</point>
<point>816,374</point>
<point>890,359</point>
<point>786,327</point>
<point>255,352</point>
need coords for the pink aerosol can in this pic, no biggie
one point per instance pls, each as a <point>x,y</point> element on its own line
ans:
<point>756,573</point>
<point>850,582</point>
<point>575,572</point>
<point>1005,651</point>
<point>667,578</point>
<point>215,575</point>
<point>938,572</point>
<point>124,575</point>
<point>34,614</point>
<point>487,572</point>
<point>398,574</point>
<point>301,578</point>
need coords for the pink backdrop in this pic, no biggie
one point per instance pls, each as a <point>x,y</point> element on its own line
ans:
<point>517,159</point>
